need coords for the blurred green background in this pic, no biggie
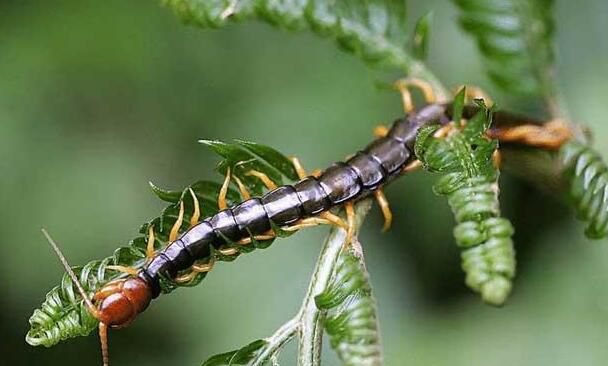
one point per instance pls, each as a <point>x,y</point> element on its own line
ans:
<point>98,97</point>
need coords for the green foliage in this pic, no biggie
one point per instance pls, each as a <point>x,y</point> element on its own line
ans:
<point>420,44</point>
<point>588,174</point>
<point>351,320</point>
<point>515,39</point>
<point>243,356</point>
<point>374,30</point>
<point>63,314</point>
<point>470,182</point>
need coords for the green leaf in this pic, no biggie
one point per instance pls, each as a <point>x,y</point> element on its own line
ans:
<point>273,157</point>
<point>352,321</point>
<point>422,31</point>
<point>588,176</point>
<point>241,356</point>
<point>470,182</point>
<point>515,37</point>
<point>459,105</point>
<point>63,314</point>
<point>243,157</point>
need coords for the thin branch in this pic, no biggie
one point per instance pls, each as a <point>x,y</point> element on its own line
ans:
<point>311,327</point>
<point>276,341</point>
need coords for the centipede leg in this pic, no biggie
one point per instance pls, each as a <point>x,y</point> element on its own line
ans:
<point>307,222</point>
<point>269,235</point>
<point>242,189</point>
<point>496,158</point>
<point>195,269</point>
<point>264,178</point>
<point>124,269</point>
<point>445,130</point>
<point>228,251</point>
<point>350,219</point>
<point>300,171</point>
<point>551,135</point>
<point>414,165</point>
<point>103,339</point>
<point>334,219</point>
<point>386,210</point>
<point>403,86</point>
<point>151,240</point>
<point>381,131</point>
<point>221,199</point>
<point>178,223</point>
<point>196,214</point>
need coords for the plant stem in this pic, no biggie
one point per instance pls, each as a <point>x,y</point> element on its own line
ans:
<point>276,341</point>
<point>311,328</point>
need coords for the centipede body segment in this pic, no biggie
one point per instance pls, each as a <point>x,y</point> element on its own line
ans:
<point>361,175</point>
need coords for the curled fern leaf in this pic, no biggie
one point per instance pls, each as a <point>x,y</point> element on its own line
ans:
<point>588,175</point>
<point>351,321</point>
<point>470,182</point>
<point>63,314</point>
<point>374,30</point>
<point>515,39</point>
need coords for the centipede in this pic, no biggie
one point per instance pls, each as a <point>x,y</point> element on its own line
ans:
<point>286,208</point>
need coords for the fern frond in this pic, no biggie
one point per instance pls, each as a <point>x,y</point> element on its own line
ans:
<point>351,322</point>
<point>588,174</point>
<point>373,30</point>
<point>470,182</point>
<point>515,37</point>
<point>64,315</point>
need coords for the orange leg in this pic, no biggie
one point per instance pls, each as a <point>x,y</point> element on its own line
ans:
<point>334,219</point>
<point>242,189</point>
<point>403,86</point>
<point>196,269</point>
<point>228,251</point>
<point>496,158</point>
<point>381,131</point>
<point>386,210</point>
<point>221,199</point>
<point>307,222</point>
<point>150,247</point>
<point>261,237</point>
<point>197,209</point>
<point>264,178</point>
<point>551,135</point>
<point>178,223</point>
<point>124,269</point>
<point>298,167</point>
<point>445,130</point>
<point>103,338</point>
<point>350,219</point>
<point>109,289</point>
<point>414,165</point>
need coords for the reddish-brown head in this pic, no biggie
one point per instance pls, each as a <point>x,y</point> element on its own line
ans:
<point>119,302</point>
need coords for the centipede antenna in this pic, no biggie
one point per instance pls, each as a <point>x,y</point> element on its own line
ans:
<point>71,273</point>
<point>103,337</point>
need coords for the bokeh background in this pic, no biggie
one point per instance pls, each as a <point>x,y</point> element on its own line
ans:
<point>98,97</point>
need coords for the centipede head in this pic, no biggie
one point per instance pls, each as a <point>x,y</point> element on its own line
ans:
<point>116,304</point>
<point>119,302</point>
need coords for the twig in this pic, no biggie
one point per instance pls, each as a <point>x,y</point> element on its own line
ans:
<point>276,341</point>
<point>311,329</point>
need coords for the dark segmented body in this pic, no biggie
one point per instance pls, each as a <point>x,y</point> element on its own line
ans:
<point>379,163</point>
